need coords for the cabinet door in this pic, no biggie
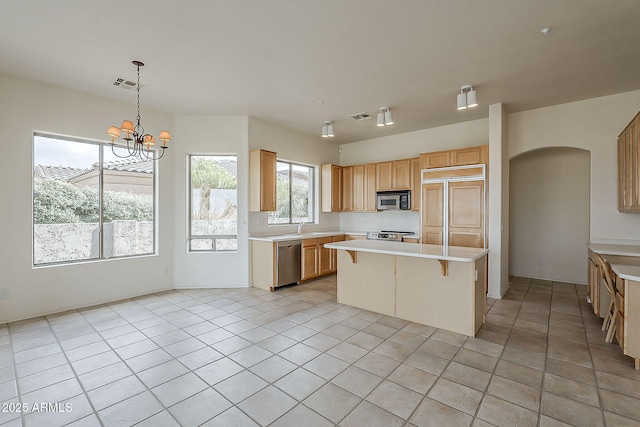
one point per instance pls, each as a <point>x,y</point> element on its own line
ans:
<point>370,188</point>
<point>466,214</point>
<point>383,176</point>
<point>634,175</point>
<point>470,156</point>
<point>309,262</point>
<point>357,188</point>
<point>438,159</point>
<point>262,180</point>
<point>401,174</point>
<point>347,186</point>
<point>331,191</point>
<point>432,213</point>
<point>324,256</point>
<point>415,184</point>
<point>621,172</point>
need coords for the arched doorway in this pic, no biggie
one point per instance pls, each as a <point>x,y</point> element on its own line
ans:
<point>549,214</point>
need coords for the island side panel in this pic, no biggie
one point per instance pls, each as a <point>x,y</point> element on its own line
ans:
<point>369,283</point>
<point>263,260</point>
<point>424,295</point>
<point>480,290</point>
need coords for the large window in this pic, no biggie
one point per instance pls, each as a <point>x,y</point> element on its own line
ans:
<point>89,204</point>
<point>294,196</point>
<point>213,203</point>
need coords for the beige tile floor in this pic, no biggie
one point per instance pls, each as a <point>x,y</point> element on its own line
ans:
<point>295,357</point>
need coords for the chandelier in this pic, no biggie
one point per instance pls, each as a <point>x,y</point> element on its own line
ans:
<point>139,143</point>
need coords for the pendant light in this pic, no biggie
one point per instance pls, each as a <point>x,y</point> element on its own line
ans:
<point>384,117</point>
<point>327,130</point>
<point>467,98</point>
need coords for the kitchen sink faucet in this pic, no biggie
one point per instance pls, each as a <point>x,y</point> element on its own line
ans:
<point>300,224</point>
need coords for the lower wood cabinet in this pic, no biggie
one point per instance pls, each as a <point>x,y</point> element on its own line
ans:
<point>309,256</point>
<point>316,259</point>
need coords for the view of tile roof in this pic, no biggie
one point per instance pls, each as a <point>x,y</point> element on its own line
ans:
<point>60,173</point>
<point>65,173</point>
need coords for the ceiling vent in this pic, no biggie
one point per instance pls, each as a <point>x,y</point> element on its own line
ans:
<point>125,84</point>
<point>360,116</point>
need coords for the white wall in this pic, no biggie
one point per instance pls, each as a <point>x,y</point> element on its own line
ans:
<point>592,125</point>
<point>210,135</point>
<point>292,146</point>
<point>550,214</point>
<point>26,106</point>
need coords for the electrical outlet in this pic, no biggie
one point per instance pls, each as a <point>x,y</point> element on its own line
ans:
<point>4,293</point>
<point>166,270</point>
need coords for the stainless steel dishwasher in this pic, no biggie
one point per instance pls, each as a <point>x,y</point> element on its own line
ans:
<point>289,266</point>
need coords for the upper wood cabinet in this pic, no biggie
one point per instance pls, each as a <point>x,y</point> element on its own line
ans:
<point>383,176</point>
<point>460,157</point>
<point>370,188</point>
<point>415,184</point>
<point>331,192</point>
<point>401,174</point>
<point>439,159</point>
<point>629,167</point>
<point>347,188</point>
<point>357,188</point>
<point>395,175</point>
<point>262,180</point>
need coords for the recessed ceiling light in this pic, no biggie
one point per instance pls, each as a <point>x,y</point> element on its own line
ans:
<point>546,30</point>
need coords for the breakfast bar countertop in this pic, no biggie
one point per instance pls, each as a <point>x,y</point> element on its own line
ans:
<point>614,249</point>
<point>305,235</point>
<point>445,253</point>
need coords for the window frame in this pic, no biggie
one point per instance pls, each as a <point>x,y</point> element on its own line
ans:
<point>102,145</point>
<point>313,191</point>
<point>213,237</point>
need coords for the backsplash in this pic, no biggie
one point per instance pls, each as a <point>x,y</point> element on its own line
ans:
<point>377,221</point>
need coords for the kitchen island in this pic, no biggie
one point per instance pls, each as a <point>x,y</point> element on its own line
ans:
<point>439,286</point>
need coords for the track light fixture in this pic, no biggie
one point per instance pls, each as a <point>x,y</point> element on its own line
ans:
<point>384,117</point>
<point>467,98</point>
<point>327,130</point>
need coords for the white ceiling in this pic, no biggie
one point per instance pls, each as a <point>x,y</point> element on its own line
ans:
<point>276,59</point>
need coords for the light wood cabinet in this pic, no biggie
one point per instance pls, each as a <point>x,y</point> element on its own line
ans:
<point>432,213</point>
<point>392,176</point>
<point>460,157</point>
<point>324,256</point>
<point>466,214</point>
<point>383,176</point>
<point>347,188</point>
<point>629,167</point>
<point>438,159</point>
<point>331,192</point>
<point>316,259</point>
<point>310,258</point>
<point>415,184</point>
<point>470,156</point>
<point>357,188</point>
<point>262,180</point>
<point>453,208</point>
<point>370,188</point>
<point>401,174</point>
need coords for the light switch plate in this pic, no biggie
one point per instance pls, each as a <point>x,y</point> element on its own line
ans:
<point>4,293</point>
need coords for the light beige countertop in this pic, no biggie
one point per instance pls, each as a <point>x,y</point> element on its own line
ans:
<point>626,271</point>
<point>611,249</point>
<point>306,235</point>
<point>450,253</point>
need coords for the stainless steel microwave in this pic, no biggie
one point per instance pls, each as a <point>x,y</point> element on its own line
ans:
<point>393,200</point>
